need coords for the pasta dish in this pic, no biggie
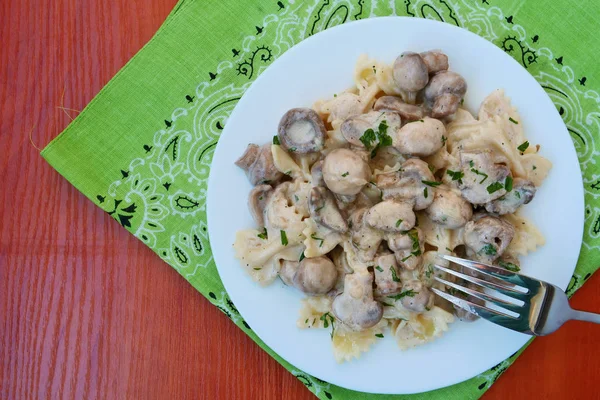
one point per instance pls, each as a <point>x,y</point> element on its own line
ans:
<point>355,197</point>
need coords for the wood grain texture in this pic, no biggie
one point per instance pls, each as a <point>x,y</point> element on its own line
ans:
<point>87,311</point>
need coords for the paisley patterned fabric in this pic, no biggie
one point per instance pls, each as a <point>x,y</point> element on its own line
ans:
<point>142,149</point>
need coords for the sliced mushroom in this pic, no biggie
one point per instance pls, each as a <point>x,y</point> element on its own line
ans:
<point>420,138</point>
<point>444,92</point>
<point>345,172</point>
<point>409,184</point>
<point>315,275</point>
<point>417,297</point>
<point>324,210</point>
<point>522,193</point>
<point>435,60</point>
<point>449,209</point>
<point>316,174</point>
<point>387,274</point>
<point>391,216</point>
<point>364,238</point>
<point>408,248</point>
<point>354,128</point>
<point>410,72</point>
<point>258,164</point>
<point>408,112</point>
<point>287,271</point>
<point>483,180</point>
<point>355,307</point>
<point>488,237</point>
<point>257,201</point>
<point>301,130</point>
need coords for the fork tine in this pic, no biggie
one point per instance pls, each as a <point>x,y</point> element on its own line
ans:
<point>506,290</point>
<point>493,271</point>
<point>483,296</point>
<point>497,317</point>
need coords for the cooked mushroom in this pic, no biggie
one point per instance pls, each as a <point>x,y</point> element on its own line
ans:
<point>324,210</point>
<point>355,307</point>
<point>420,138</point>
<point>345,172</point>
<point>435,60</point>
<point>364,238</point>
<point>315,275</point>
<point>344,106</point>
<point>354,128</point>
<point>287,271</point>
<point>257,201</point>
<point>449,209</point>
<point>417,297</point>
<point>258,164</point>
<point>316,174</point>
<point>444,92</point>
<point>463,314</point>
<point>301,130</point>
<point>387,274</point>
<point>410,72</point>
<point>408,112</point>
<point>391,216</point>
<point>410,184</point>
<point>488,237</point>
<point>522,193</point>
<point>408,248</point>
<point>483,181</point>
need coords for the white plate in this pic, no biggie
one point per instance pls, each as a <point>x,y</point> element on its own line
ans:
<point>323,65</point>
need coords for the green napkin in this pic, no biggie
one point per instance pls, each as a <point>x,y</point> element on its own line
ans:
<point>142,149</point>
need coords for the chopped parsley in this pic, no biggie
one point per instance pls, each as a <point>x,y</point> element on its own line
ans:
<point>444,138</point>
<point>406,293</point>
<point>518,195</point>
<point>327,320</point>
<point>477,172</point>
<point>413,234</point>
<point>509,266</point>
<point>374,70</point>
<point>263,235</point>
<point>523,146</point>
<point>335,95</point>
<point>398,223</point>
<point>379,335</point>
<point>266,182</point>
<point>306,321</point>
<point>456,175</point>
<point>314,237</point>
<point>386,304</point>
<point>368,138</point>
<point>288,173</point>
<point>534,168</point>
<point>471,164</point>
<point>292,149</point>
<point>431,183</point>
<point>345,174</point>
<point>257,269</point>
<point>296,198</point>
<point>284,240</point>
<point>425,192</point>
<point>462,101</point>
<point>378,268</point>
<point>488,250</point>
<point>429,271</point>
<point>453,291</point>
<point>394,276</point>
<point>406,258</point>
<point>380,136</point>
<point>421,120</point>
<point>427,309</point>
<point>276,140</point>
<point>513,121</point>
<point>302,257</point>
<point>508,183</point>
<point>494,187</point>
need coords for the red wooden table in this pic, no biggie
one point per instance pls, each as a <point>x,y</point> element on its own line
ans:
<point>86,310</point>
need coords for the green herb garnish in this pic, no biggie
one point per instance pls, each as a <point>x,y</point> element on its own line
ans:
<point>444,138</point>
<point>488,250</point>
<point>263,235</point>
<point>257,269</point>
<point>456,175</point>
<point>477,172</point>
<point>513,121</point>
<point>368,138</point>
<point>432,183</point>
<point>534,168</point>
<point>518,195</point>
<point>494,187</point>
<point>345,174</point>
<point>378,268</point>
<point>314,237</point>
<point>302,257</point>
<point>379,335</point>
<point>406,293</point>
<point>398,223</point>
<point>292,149</point>
<point>508,183</point>
<point>523,146</point>
<point>276,140</point>
<point>509,266</point>
<point>394,276</point>
<point>284,240</point>
<point>425,192</point>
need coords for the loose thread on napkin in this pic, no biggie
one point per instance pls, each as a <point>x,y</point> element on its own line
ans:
<point>31,138</point>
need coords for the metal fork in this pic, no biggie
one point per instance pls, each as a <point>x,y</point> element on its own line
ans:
<point>525,304</point>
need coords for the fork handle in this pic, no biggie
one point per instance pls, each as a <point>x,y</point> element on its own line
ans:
<point>586,316</point>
